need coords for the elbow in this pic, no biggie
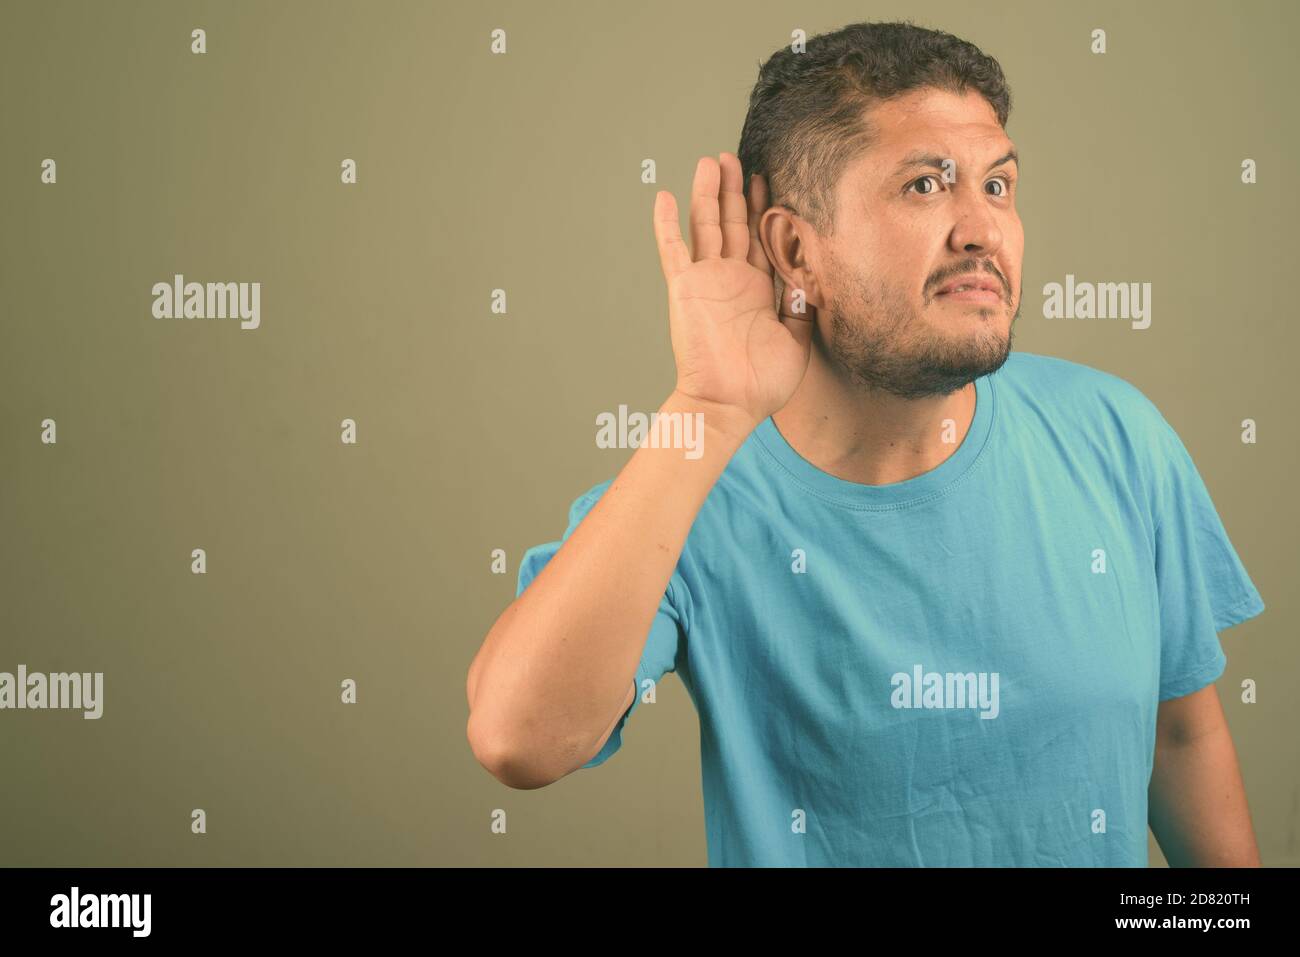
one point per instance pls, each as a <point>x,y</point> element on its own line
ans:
<point>510,765</point>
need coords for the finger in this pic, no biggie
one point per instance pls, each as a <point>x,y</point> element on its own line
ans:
<point>706,236</point>
<point>735,225</point>
<point>673,254</point>
<point>758,203</point>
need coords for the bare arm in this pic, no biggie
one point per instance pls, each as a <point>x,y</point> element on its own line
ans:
<point>555,673</point>
<point>1196,800</point>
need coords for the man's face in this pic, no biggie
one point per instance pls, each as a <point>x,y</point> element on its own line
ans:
<point>904,228</point>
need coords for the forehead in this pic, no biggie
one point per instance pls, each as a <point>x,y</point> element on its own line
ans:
<point>960,125</point>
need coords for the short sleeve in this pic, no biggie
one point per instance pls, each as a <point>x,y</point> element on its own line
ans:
<point>667,632</point>
<point>1203,586</point>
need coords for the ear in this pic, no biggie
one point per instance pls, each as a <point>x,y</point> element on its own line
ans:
<point>790,244</point>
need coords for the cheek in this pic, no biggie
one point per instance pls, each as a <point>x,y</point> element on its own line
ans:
<point>1016,235</point>
<point>1013,253</point>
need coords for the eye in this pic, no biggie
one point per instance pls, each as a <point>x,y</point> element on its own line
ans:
<point>1005,181</point>
<point>922,180</point>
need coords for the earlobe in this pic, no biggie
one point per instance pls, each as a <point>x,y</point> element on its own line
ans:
<point>812,291</point>
<point>788,253</point>
<point>804,278</point>
<point>810,299</point>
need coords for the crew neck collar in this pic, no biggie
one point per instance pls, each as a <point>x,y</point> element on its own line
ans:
<point>928,485</point>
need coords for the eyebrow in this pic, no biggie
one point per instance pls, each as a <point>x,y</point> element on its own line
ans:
<point>930,160</point>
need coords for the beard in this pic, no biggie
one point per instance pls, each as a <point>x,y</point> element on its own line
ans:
<point>879,337</point>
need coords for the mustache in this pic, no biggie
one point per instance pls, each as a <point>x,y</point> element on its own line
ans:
<point>972,267</point>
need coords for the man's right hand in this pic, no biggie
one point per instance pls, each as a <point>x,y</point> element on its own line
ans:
<point>733,351</point>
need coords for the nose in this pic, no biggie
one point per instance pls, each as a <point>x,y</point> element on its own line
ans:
<point>976,231</point>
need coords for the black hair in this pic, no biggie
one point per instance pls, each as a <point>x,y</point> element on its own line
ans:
<point>807,115</point>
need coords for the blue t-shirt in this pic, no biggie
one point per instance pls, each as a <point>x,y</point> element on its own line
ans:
<point>961,669</point>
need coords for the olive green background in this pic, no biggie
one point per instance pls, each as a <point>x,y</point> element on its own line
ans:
<point>476,430</point>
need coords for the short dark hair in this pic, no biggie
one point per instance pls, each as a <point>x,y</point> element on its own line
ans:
<point>807,111</point>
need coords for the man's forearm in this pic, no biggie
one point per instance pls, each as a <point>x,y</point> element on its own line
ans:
<point>1197,804</point>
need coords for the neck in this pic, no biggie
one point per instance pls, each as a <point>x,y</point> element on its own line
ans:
<point>868,436</point>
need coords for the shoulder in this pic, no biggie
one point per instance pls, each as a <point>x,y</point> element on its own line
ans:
<point>1085,395</point>
<point>1053,376</point>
